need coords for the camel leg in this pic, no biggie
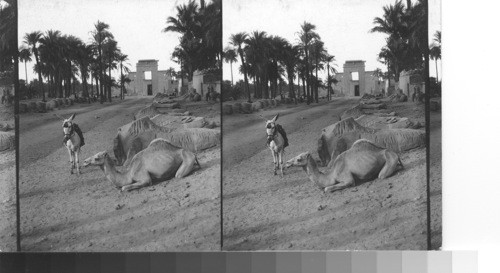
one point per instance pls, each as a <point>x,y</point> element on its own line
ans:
<point>70,157</point>
<point>339,186</point>
<point>347,182</point>
<point>72,160</point>
<point>188,161</point>
<point>141,179</point>
<point>391,164</point>
<point>76,163</point>
<point>281,161</point>
<point>275,162</point>
<point>137,185</point>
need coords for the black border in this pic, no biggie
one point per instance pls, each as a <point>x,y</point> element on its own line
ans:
<point>16,130</point>
<point>427,128</point>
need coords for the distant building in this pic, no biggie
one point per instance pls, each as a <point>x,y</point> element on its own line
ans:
<point>355,81</point>
<point>6,86</point>
<point>411,81</point>
<point>203,80</point>
<point>147,80</point>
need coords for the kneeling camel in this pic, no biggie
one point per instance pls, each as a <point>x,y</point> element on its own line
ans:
<point>158,162</point>
<point>363,161</point>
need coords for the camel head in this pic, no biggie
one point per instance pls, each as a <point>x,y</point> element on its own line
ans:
<point>271,127</point>
<point>298,161</point>
<point>96,160</point>
<point>67,124</point>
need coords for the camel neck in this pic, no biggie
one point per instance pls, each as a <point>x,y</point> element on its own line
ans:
<point>314,174</point>
<point>112,174</point>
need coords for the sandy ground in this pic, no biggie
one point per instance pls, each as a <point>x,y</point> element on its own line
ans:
<point>8,222</point>
<point>63,212</point>
<point>436,180</point>
<point>266,212</point>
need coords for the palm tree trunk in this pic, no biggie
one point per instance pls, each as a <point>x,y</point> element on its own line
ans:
<point>255,93</point>
<point>328,81</point>
<point>50,82</point>
<point>232,83</point>
<point>266,86</point>
<point>69,84</point>
<point>297,94</point>
<point>58,83</point>
<point>26,72</point>
<point>291,94</point>
<point>259,87</point>
<point>245,76</point>
<point>101,75</point>
<point>109,84</point>
<point>308,80</point>
<point>437,78</point>
<point>316,82</point>
<point>40,81</point>
<point>85,91</point>
<point>97,85</point>
<point>91,86</point>
<point>121,81</point>
<point>304,87</point>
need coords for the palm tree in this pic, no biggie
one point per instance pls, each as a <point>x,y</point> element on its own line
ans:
<point>257,52</point>
<point>25,57</point>
<point>123,58</point>
<point>406,42</point>
<point>435,51</point>
<point>329,58</point>
<point>230,57</point>
<point>318,53</point>
<point>8,36</point>
<point>110,51</point>
<point>392,22</point>
<point>276,49</point>
<point>100,35</point>
<point>71,54</point>
<point>237,40</point>
<point>211,22</point>
<point>33,40</point>
<point>306,35</point>
<point>291,61</point>
<point>393,55</point>
<point>84,59</point>
<point>187,23</point>
<point>178,55</point>
<point>52,59</point>
<point>124,80</point>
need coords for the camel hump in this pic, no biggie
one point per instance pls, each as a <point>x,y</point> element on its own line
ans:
<point>365,144</point>
<point>161,143</point>
<point>344,126</point>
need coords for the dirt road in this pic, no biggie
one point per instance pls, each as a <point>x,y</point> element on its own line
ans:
<point>63,212</point>
<point>8,222</point>
<point>265,212</point>
<point>436,180</point>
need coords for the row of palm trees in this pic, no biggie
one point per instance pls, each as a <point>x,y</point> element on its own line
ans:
<point>8,25</point>
<point>61,59</point>
<point>266,59</point>
<point>406,43</point>
<point>435,51</point>
<point>200,42</point>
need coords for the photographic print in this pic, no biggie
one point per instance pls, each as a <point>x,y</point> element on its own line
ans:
<point>324,125</point>
<point>8,56</point>
<point>120,125</point>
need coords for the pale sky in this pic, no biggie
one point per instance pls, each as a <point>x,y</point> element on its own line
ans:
<point>136,25</point>
<point>342,24</point>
